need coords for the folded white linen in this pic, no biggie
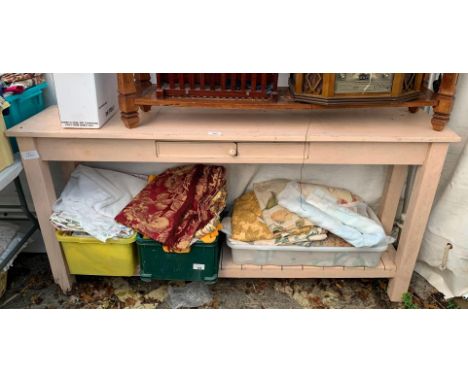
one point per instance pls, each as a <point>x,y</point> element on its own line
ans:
<point>348,221</point>
<point>93,197</point>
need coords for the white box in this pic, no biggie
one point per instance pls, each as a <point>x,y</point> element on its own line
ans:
<point>86,100</point>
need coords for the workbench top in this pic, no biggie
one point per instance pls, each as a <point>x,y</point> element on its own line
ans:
<point>178,124</point>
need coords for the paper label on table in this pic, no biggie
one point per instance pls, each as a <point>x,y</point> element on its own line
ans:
<point>28,155</point>
<point>215,133</point>
<point>199,267</point>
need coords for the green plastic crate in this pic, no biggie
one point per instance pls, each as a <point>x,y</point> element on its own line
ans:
<point>200,264</point>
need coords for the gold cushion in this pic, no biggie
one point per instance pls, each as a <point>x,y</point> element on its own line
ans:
<point>247,223</point>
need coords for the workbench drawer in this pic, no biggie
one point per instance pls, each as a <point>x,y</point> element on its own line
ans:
<point>102,150</point>
<point>180,151</point>
<point>272,152</point>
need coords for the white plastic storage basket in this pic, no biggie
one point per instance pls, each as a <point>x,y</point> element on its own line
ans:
<point>316,256</point>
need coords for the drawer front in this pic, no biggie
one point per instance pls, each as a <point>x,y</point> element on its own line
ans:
<point>371,152</point>
<point>195,151</point>
<point>272,152</point>
<point>102,150</point>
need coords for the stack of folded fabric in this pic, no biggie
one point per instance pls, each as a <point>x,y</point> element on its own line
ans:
<point>92,198</point>
<point>16,83</point>
<point>282,212</point>
<point>265,225</point>
<point>180,206</point>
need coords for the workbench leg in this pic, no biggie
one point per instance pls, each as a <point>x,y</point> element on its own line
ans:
<point>391,196</point>
<point>43,195</point>
<point>419,208</point>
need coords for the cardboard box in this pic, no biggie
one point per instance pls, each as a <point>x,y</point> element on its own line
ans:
<point>6,155</point>
<point>86,100</point>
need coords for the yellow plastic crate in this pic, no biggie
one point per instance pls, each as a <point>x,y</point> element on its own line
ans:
<point>6,155</point>
<point>89,256</point>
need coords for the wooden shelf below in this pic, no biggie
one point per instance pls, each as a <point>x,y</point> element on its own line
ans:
<point>386,269</point>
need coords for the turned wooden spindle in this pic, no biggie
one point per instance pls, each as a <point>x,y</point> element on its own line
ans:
<point>422,85</point>
<point>445,98</point>
<point>142,82</point>
<point>127,94</point>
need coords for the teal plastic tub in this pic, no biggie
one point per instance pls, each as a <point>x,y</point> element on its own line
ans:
<point>200,264</point>
<point>24,106</point>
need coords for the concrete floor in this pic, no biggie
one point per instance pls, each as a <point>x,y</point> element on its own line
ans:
<point>30,285</point>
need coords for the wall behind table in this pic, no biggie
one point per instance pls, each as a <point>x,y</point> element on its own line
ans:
<point>365,181</point>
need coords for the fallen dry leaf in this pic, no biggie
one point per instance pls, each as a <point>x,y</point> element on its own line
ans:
<point>36,299</point>
<point>130,301</point>
<point>214,304</point>
<point>145,306</point>
<point>159,294</point>
<point>317,302</point>
<point>330,297</point>
<point>301,298</point>
<point>126,294</point>
<point>86,298</point>
<point>284,287</point>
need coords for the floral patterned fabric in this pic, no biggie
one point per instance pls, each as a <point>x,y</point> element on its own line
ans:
<point>281,227</point>
<point>247,223</point>
<point>10,78</point>
<point>258,219</point>
<point>287,227</point>
<point>177,204</point>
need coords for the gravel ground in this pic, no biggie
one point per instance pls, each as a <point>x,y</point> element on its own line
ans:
<point>30,285</point>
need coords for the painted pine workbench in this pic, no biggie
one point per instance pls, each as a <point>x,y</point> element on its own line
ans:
<point>347,137</point>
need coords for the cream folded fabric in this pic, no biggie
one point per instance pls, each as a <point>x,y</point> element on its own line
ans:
<point>329,210</point>
<point>93,197</point>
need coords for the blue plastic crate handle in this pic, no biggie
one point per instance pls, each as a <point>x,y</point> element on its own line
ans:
<point>29,96</point>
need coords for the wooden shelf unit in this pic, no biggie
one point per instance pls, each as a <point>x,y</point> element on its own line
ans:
<point>147,97</point>
<point>136,91</point>
<point>387,136</point>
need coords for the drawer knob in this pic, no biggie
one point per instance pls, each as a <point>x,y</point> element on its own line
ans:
<point>232,152</point>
